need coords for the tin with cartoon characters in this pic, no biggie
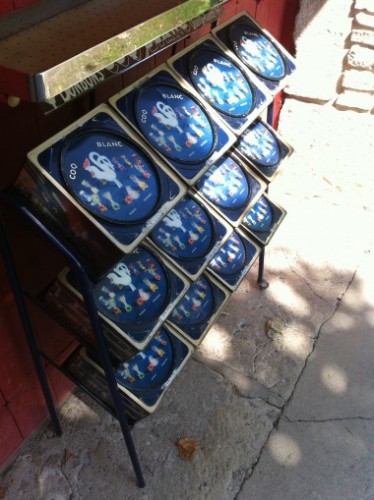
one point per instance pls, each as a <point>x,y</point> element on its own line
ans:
<point>97,177</point>
<point>230,187</point>
<point>234,259</point>
<point>263,148</point>
<point>143,379</point>
<point>137,295</point>
<point>190,234</point>
<point>174,122</point>
<point>263,219</point>
<point>258,50</point>
<point>222,83</point>
<point>201,305</point>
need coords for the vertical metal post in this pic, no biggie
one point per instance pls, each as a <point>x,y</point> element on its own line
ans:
<point>262,283</point>
<point>26,323</point>
<point>118,403</point>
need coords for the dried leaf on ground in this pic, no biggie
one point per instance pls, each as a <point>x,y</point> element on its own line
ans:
<point>274,327</point>
<point>67,456</point>
<point>187,447</point>
<point>2,492</point>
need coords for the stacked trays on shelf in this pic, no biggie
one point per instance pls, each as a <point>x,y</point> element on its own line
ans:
<point>258,50</point>
<point>190,235</point>
<point>230,187</point>
<point>221,80</point>
<point>166,210</point>
<point>142,380</point>
<point>101,186</point>
<point>196,312</point>
<point>175,122</point>
<point>263,219</point>
<point>233,261</point>
<point>261,147</point>
<point>133,300</point>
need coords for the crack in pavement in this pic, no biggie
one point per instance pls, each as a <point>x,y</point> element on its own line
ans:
<point>307,284</point>
<point>325,420</point>
<point>282,409</point>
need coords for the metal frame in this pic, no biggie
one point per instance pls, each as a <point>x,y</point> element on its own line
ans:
<point>262,283</point>
<point>78,268</point>
<point>74,65</point>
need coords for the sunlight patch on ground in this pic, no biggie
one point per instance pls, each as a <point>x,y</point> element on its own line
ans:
<point>75,411</point>
<point>334,378</point>
<point>217,343</point>
<point>284,294</point>
<point>285,450</point>
<point>344,321</point>
<point>296,344</point>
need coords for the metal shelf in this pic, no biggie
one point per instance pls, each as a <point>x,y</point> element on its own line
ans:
<point>90,42</point>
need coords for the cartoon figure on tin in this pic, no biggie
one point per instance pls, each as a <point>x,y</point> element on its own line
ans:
<point>100,167</point>
<point>121,276</point>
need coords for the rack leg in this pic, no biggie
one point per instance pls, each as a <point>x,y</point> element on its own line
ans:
<point>94,318</point>
<point>262,283</point>
<point>121,414</point>
<point>26,323</point>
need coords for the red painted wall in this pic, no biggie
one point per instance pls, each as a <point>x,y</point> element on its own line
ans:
<point>23,128</point>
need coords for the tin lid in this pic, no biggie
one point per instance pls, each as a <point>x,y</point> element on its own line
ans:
<point>149,368</point>
<point>196,306</point>
<point>186,232</point>
<point>260,216</point>
<point>260,145</point>
<point>231,258</point>
<point>257,52</point>
<point>110,176</point>
<point>221,82</point>
<point>175,123</point>
<point>225,184</point>
<point>135,290</point>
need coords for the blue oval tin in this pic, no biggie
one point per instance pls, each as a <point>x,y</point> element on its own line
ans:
<point>257,52</point>
<point>260,145</point>
<point>260,216</point>
<point>196,306</point>
<point>231,258</point>
<point>174,123</point>
<point>186,232</point>
<point>225,184</point>
<point>150,368</point>
<point>135,291</point>
<point>110,176</point>
<point>221,82</point>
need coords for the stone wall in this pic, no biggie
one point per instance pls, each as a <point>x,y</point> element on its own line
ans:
<point>334,42</point>
<point>357,83</point>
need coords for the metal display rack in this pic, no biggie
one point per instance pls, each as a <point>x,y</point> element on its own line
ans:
<point>41,81</point>
<point>80,272</point>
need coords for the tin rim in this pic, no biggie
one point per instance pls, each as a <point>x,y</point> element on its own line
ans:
<point>187,325</point>
<point>237,68</point>
<point>181,90</point>
<point>275,141</point>
<point>250,66</point>
<point>200,185</point>
<point>244,260</point>
<point>155,314</point>
<point>212,239</point>
<point>158,386</point>
<point>126,142</point>
<point>269,211</point>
